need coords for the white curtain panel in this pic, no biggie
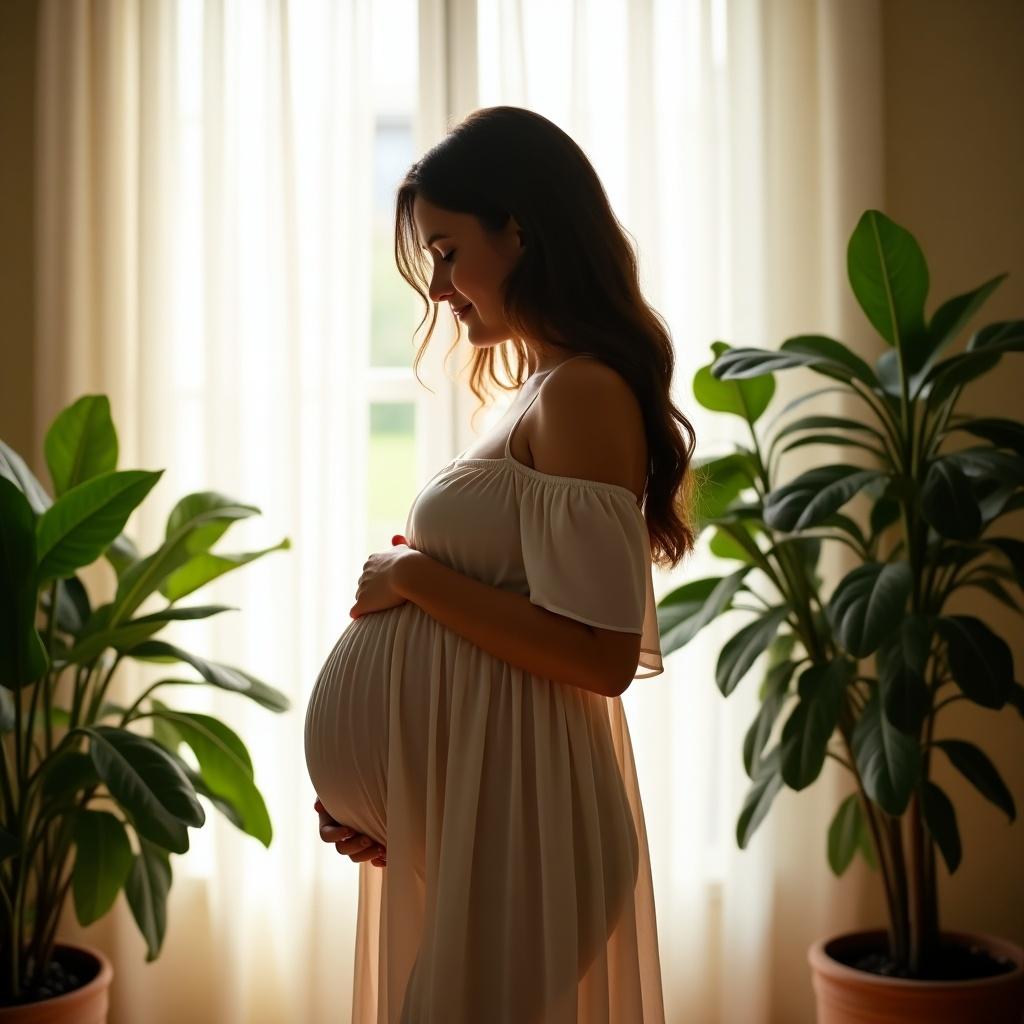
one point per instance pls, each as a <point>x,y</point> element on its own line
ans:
<point>204,238</point>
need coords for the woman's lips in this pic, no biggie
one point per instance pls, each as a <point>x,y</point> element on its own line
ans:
<point>465,311</point>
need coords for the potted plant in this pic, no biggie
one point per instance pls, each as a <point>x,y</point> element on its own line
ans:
<point>860,674</point>
<point>61,761</point>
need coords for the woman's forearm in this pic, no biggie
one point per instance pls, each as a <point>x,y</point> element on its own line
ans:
<point>507,625</point>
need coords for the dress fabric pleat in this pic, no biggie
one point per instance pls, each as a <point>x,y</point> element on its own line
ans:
<point>518,885</point>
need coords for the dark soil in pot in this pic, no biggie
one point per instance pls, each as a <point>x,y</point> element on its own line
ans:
<point>67,970</point>
<point>952,961</point>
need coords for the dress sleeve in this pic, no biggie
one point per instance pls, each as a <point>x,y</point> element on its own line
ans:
<point>587,555</point>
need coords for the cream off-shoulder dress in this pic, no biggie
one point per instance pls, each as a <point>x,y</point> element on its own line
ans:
<point>518,883</point>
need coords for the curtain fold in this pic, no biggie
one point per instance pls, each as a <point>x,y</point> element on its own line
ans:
<point>738,142</point>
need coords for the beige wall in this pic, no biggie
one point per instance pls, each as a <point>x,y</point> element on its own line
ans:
<point>954,139</point>
<point>17,245</point>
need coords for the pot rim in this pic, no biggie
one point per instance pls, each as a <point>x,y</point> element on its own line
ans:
<point>102,979</point>
<point>824,963</point>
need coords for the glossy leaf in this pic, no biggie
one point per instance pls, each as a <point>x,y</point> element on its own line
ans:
<point>81,443</point>
<point>847,834</point>
<point>902,657</point>
<point>146,890</point>
<point>135,631</point>
<point>687,610</point>
<point>766,785</point>
<point>747,399</point>
<point>1002,433</point>
<point>742,650</point>
<point>23,657</point>
<point>940,819</point>
<point>814,495</point>
<point>756,739</point>
<point>103,860</point>
<point>868,604</point>
<point>202,569</point>
<point>14,469</point>
<point>947,501</point>
<point>79,526</point>
<point>227,677</point>
<point>812,721</point>
<point>953,316</point>
<point>889,277</point>
<point>224,763</point>
<point>981,661</point>
<point>147,784</point>
<point>195,523</point>
<point>886,758</point>
<point>975,766</point>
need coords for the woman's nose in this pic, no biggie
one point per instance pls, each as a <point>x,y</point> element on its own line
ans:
<point>440,287</point>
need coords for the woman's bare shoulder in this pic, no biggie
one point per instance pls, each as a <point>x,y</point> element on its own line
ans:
<point>588,423</point>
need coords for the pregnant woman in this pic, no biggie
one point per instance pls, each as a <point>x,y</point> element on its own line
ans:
<point>466,733</point>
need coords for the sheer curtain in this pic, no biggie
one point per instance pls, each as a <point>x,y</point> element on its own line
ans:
<point>206,219</point>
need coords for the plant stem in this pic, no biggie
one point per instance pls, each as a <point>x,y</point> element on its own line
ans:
<point>867,810</point>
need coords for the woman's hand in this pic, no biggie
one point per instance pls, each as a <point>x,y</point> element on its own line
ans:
<point>376,588</point>
<point>348,841</point>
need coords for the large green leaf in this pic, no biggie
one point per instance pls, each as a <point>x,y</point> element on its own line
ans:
<point>847,834</point>
<point>201,569</point>
<point>939,817</point>
<point>684,612</point>
<point>953,315</point>
<point>831,358</point>
<point>823,355</point>
<point>889,278</point>
<point>742,650</point>
<point>13,468</point>
<point>196,522</point>
<point>766,785</point>
<point>1002,336</point>
<point>747,399</point>
<point>814,495</point>
<point>130,634</point>
<point>225,765</point>
<point>975,766</point>
<point>868,604</point>
<point>1002,433</point>
<point>148,784</point>
<point>81,443</point>
<point>981,661</point>
<point>227,677</point>
<point>984,350</point>
<point>948,502</point>
<point>146,890</point>
<point>78,527</point>
<point>103,860</point>
<point>776,684</point>
<point>23,657</point>
<point>887,759</point>
<point>902,657</point>
<point>812,721</point>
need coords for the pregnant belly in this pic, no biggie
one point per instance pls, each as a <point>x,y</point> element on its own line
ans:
<point>346,729</point>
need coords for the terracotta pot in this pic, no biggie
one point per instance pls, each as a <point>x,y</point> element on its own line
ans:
<point>87,1004</point>
<point>845,995</point>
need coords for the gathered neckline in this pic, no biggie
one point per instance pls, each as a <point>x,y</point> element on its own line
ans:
<point>520,467</point>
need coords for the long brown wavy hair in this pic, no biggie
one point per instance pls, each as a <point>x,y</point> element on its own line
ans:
<point>575,284</point>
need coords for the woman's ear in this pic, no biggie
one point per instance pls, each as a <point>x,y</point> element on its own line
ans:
<point>520,234</point>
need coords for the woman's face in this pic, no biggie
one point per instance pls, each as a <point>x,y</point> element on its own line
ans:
<point>470,267</point>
